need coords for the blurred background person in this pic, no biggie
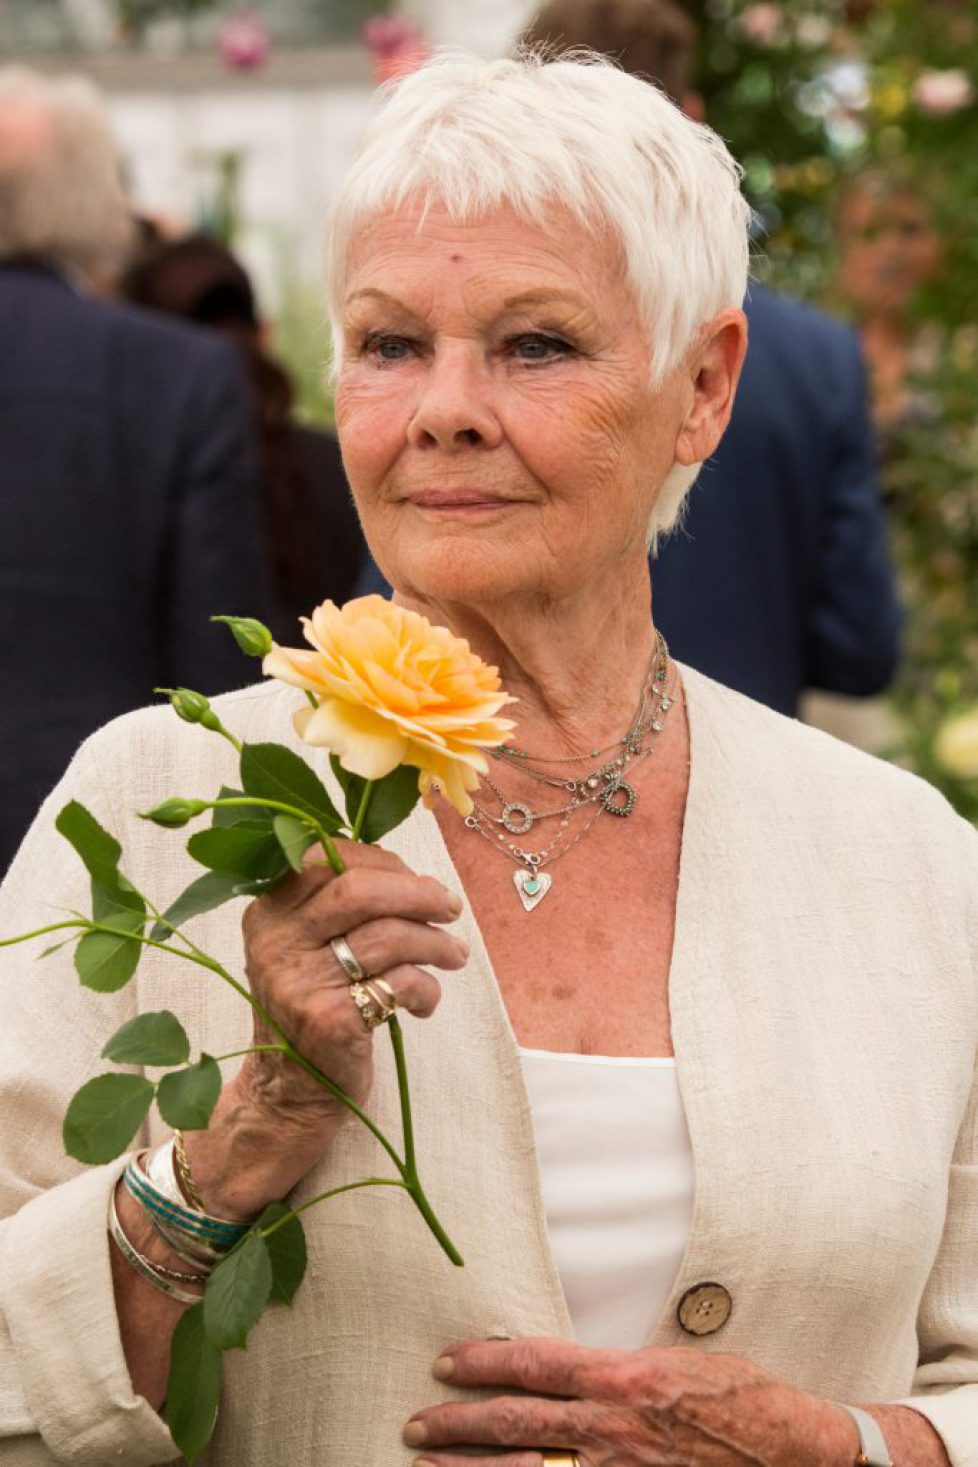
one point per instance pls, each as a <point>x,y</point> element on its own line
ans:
<point>310,527</point>
<point>889,251</point>
<point>127,468</point>
<point>779,577</point>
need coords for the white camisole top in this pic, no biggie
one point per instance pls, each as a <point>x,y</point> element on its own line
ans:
<point>616,1174</point>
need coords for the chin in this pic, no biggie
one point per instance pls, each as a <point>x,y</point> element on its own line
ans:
<point>461,569</point>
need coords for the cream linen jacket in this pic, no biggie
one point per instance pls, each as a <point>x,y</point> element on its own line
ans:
<point>825,1019</point>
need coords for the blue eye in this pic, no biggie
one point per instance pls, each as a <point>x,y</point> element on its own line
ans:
<point>536,347</point>
<point>387,348</point>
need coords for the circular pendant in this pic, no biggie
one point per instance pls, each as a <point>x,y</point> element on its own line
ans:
<point>609,803</point>
<point>517,818</point>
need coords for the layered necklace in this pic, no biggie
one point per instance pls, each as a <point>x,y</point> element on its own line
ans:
<point>599,788</point>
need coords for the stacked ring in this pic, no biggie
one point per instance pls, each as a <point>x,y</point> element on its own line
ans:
<point>375,999</point>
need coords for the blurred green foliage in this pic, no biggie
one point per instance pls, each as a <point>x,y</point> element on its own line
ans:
<point>808,95</point>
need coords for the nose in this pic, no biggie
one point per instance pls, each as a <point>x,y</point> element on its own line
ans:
<point>455,409</point>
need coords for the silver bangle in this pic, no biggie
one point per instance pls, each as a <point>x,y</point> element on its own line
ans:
<point>161,1278</point>
<point>873,1451</point>
<point>160,1167</point>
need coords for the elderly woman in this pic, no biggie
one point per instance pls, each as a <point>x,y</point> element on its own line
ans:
<point>696,1098</point>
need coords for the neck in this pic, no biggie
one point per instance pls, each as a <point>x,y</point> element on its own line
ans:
<point>576,665</point>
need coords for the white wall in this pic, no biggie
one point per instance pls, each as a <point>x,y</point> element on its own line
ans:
<point>295,141</point>
<point>294,145</point>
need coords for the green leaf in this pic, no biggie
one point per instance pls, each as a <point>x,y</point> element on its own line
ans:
<point>391,801</point>
<point>295,838</point>
<point>149,1039</point>
<point>187,1097</point>
<point>104,1116</point>
<point>193,1388</point>
<point>287,1251</point>
<point>237,1292</point>
<point>276,773</point>
<point>99,850</point>
<point>105,961</point>
<point>248,850</point>
<point>202,895</point>
<point>352,786</point>
<point>235,814</point>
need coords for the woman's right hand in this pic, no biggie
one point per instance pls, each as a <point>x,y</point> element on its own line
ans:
<point>274,1122</point>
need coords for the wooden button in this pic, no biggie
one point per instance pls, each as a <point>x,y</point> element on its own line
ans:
<point>704,1309</point>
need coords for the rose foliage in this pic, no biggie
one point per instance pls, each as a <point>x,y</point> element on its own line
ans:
<point>401,704</point>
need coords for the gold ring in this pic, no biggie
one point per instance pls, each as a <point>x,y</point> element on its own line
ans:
<point>382,995</point>
<point>372,1011</point>
<point>561,1459</point>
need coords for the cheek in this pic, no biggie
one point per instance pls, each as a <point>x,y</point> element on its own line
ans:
<point>371,422</point>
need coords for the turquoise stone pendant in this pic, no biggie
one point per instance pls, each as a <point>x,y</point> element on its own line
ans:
<point>532,887</point>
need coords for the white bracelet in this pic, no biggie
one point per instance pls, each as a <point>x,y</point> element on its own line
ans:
<point>873,1451</point>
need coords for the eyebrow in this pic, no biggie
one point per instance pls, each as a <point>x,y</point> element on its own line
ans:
<point>544,296</point>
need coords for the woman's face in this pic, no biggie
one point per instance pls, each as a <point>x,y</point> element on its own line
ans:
<point>494,408</point>
<point>889,248</point>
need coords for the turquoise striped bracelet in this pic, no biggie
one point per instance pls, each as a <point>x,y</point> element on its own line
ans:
<point>199,1226</point>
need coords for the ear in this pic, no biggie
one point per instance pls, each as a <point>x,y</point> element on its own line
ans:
<point>713,371</point>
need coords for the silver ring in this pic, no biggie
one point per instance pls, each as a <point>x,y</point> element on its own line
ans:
<point>344,955</point>
<point>372,1012</point>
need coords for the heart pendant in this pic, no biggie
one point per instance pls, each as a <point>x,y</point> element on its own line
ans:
<point>532,887</point>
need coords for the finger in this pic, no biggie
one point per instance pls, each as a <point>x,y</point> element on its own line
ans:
<point>363,895</point>
<point>549,1367</point>
<point>520,1422</point>
<point>295,888</point>
<point>415,990</point>
<point>391,942</point>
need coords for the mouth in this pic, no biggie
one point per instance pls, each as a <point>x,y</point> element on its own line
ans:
<point>461,502</point>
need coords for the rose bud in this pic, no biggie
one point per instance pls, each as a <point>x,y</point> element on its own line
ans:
<point>253,637</point>
<point>174,812</point>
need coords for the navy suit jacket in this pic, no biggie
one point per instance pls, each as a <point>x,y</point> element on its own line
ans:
<point>779,577</point>
<point>128,515</point>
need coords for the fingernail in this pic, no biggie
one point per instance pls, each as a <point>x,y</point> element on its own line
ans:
<point>456,903</point>
<point>415,1433</point>
<point>443,1368</point>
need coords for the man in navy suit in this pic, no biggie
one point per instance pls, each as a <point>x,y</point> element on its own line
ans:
<point>127,488</point>
<point>778,577</point>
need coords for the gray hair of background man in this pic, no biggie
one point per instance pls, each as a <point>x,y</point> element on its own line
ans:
<point>62,199</point>
<point>572,131</point>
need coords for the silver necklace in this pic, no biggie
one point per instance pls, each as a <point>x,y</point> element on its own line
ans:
<point>531,881</point>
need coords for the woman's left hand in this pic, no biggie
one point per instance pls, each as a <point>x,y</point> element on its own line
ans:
<point>625,1408</point>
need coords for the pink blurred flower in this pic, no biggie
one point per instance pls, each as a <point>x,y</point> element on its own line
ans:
<point>939,93</point>
<point>243,40</point>
<point>762,24</point>
<point>396,46</point>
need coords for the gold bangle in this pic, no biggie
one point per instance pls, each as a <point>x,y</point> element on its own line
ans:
<point>184,1175</point>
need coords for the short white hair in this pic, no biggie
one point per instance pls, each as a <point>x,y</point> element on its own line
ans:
<point>534,131</point>
<point>62,199</point>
